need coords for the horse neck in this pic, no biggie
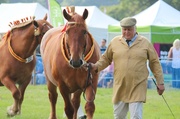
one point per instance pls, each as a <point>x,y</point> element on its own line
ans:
<point>23,44</point>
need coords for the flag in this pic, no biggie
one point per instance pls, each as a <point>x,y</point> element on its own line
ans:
<point>55,12</point>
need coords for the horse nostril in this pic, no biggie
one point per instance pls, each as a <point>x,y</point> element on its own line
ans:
<point>81,62</point>
<point>76,64</point>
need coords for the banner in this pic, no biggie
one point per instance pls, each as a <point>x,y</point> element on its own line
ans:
<point>55,12</point>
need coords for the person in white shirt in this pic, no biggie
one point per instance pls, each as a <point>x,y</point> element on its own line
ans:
<point>174,54</point>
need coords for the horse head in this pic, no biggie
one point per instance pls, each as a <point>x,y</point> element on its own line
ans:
<point>29,32</point>
<point>41,27</point>
<point>76,35</point>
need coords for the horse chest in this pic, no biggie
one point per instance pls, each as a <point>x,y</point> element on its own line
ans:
<point>74,79</point>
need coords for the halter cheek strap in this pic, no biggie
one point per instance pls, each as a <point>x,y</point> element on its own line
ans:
<point>36,31</point>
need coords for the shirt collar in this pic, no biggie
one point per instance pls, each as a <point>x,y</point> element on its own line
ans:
<point>133,39</point>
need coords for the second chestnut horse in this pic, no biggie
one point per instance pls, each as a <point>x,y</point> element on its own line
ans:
<point>64,50</point>
<point>17,59</point>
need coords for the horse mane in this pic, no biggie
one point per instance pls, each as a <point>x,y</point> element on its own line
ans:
<point>21,23</point>
<point>5,38</point>
<point>70,10</point>
<point>75,16</point>
<point>17,24</point>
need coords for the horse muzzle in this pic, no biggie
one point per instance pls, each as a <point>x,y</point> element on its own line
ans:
<point>77,63</point>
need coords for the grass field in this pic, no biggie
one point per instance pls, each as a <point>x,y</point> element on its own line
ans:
<point>36,104</point>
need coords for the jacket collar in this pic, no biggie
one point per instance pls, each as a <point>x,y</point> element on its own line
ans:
<point>138,39</point>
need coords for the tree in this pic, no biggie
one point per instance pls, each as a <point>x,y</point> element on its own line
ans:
<point>128,8</point>
<point>117,9</point>
<point>4,1</point>
<point>132,7</point>
<point>174,3</point>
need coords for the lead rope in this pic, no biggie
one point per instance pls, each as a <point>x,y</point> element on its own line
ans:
<point>89,80</point>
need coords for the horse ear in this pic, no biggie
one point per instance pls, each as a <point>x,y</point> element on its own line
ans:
<point>45,17</point>
<point>85,14</point>
<point>66,15</point>
<point>35,23</point>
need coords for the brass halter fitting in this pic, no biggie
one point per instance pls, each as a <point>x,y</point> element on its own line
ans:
<point>36,31</point>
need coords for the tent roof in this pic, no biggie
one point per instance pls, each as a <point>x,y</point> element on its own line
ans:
<point>96,18</point>
<point>159,14</point>
<point>17,11</point>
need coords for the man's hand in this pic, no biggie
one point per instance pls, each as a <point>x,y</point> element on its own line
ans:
<point>160,89</point>
<point>93,66</point>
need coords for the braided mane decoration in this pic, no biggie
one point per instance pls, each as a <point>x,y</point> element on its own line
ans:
<point>71,10</point>
<point>22,22</point>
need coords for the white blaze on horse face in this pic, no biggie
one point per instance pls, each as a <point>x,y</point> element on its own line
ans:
<point>76,47</point>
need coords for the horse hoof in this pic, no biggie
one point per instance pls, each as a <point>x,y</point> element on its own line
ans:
<point>83,117</point>
<point>52,118</point>
<point>11,112</point>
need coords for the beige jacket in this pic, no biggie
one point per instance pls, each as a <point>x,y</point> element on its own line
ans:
<point>130,68</point>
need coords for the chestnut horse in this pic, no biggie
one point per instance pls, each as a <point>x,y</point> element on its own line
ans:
<point>64,51</point>
<point>17,59</point>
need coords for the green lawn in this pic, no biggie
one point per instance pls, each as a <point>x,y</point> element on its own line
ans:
<point>36,104</point>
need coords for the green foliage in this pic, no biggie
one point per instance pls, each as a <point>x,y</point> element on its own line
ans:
<point>173,3</point>
<point>4,1</point>
<point>87,2</point>
<point>117,9</point>
<point>128,8</point>
<point>132,7</point>
<point>42,2</point>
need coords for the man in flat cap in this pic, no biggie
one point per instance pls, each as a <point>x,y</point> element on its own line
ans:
<point>130,53</point>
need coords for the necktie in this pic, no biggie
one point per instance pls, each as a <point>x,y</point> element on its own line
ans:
<point>128,42</point>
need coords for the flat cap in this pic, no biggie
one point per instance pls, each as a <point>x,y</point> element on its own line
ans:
<point>127,22</point>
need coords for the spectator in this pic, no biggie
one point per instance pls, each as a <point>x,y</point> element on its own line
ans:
<point>174,54</point>
<point>39,67</point>
<point>103,46</point>
<point>130,70</point>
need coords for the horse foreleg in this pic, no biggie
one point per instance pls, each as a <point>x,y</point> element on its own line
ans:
<point>22,88</point>
<point>69,110</point>
<point>14,109</point>
<point>90,106</point>
<point>52,98</point>
<point>1,84</point>
<point>76,99</point>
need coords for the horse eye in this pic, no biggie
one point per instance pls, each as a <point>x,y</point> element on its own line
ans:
<point>85,32</point>
<point>67,32</point>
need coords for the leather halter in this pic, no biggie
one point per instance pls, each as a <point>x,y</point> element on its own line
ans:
<point>88,55</point>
